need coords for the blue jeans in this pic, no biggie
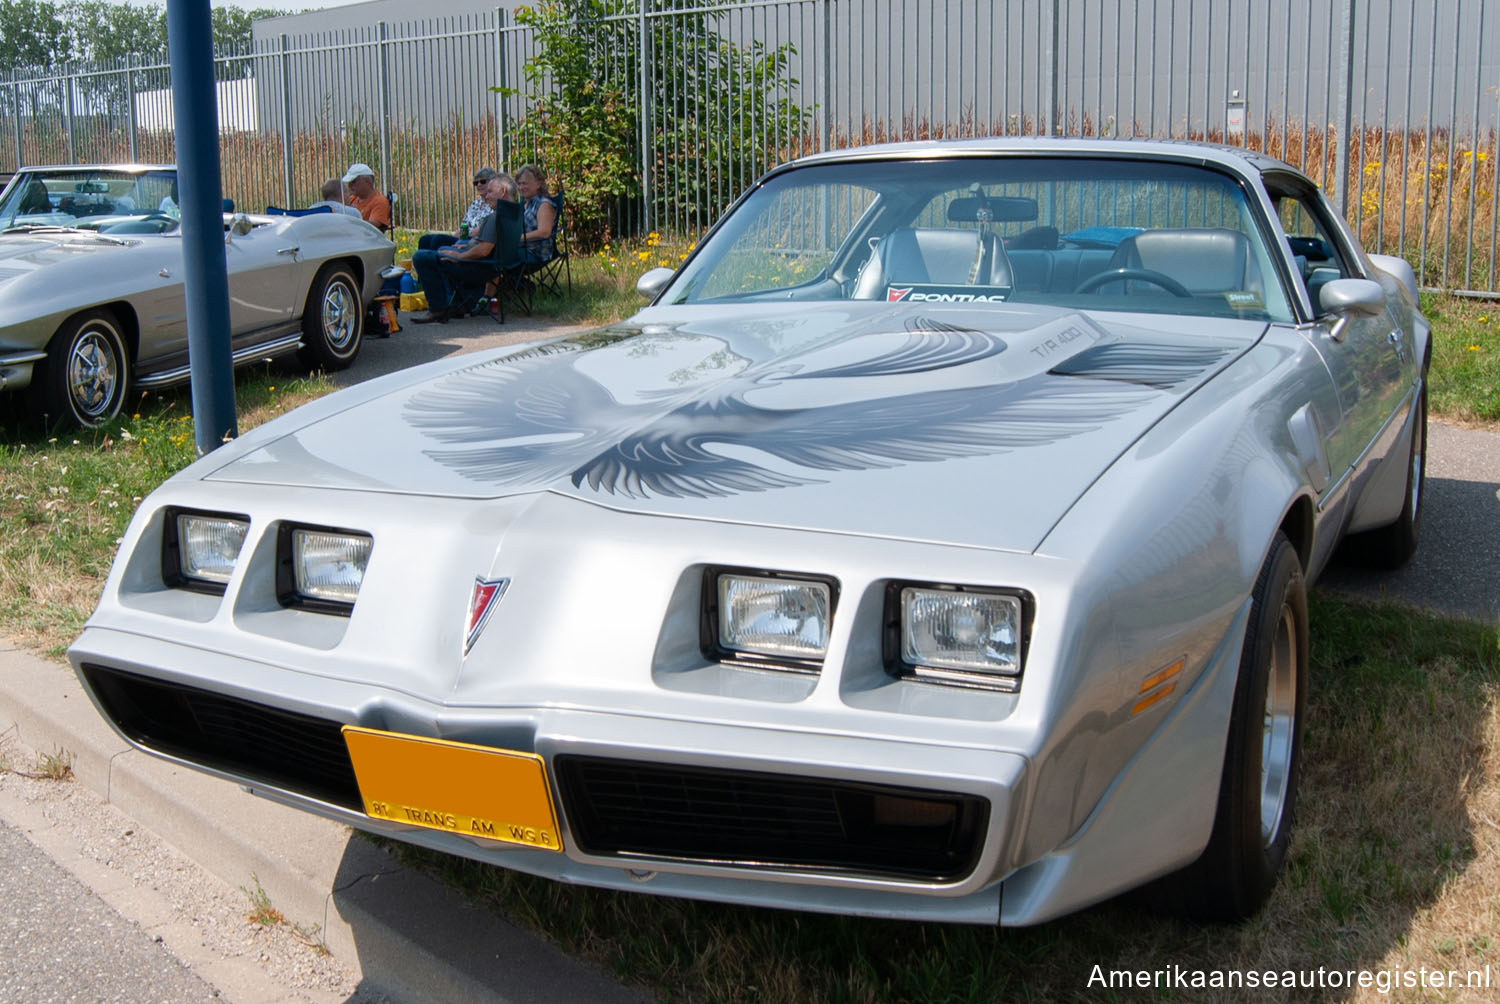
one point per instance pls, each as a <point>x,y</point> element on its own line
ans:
<point>448,283</point>
<point>431,242</point>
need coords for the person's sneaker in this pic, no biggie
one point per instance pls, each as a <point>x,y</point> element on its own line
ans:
<point>431,317</point>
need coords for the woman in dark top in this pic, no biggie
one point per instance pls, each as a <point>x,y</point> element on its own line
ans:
<point>539,212</point>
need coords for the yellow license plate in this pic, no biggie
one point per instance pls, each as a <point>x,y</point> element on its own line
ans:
<point>455,787</point>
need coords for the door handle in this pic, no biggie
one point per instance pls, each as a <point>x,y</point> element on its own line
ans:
<point>291,250</point>
<point>1398,343</point>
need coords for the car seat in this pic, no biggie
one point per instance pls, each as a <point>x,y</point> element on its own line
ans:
<point>940,257</point>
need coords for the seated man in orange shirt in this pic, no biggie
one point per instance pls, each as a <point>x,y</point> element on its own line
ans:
<point>374,208</point>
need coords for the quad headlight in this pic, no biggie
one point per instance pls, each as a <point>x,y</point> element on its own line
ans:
<point>199,549</point>
<point>962,635</point>
<point>321,569</point>
<point>781,619</point>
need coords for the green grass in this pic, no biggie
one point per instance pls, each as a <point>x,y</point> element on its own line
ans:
<point>66,496</point>
<point>1465,377</point>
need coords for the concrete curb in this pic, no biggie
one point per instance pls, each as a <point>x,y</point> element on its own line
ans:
<point>404,934</point>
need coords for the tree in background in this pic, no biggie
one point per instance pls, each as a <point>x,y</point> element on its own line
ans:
<point>42,36</point>
<point>581,125</point>
<point>32,33</point>
<point>718,114</point>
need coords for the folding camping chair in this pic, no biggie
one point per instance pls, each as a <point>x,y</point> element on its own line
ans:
<point>549,275</point>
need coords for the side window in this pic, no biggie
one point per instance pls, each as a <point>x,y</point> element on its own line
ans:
<point>1316,254</point>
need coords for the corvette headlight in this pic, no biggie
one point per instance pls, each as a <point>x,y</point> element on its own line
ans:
<point>322,569</point>
<point>773,617</point>
<point>199,549</point>
<point>962,635</point>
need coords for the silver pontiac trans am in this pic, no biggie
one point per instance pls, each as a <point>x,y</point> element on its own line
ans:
<point>91,294</point>
<point>935,545</point>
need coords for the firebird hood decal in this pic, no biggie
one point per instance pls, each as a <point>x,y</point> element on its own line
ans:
<point>503,421</point>
<point>862,418</point>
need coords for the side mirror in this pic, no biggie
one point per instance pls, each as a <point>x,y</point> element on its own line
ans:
<point>240,225</point>
<point>1346,297</point>
<point>653,282</point>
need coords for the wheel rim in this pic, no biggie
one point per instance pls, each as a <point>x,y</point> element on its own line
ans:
<point>340,316</point>
<point>1278,731</point>
<point>93,375</point>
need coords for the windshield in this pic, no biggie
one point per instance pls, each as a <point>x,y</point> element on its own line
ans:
<point>1091,233</point>
<point>96,198</point>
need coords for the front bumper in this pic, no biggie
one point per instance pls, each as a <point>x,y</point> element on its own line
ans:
<point>770,775</point>
<point>16,369</point>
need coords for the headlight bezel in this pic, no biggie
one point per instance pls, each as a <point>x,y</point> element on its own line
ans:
<point>710,614</point>
<point>894,628</point>
<point>172,574</point>
<point>287,593</point>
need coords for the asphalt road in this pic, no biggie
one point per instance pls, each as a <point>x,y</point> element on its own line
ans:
<point>64,943</point>
<point>1456,570</point>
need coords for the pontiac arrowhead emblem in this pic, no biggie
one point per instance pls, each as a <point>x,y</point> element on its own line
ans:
<point>482,603</point>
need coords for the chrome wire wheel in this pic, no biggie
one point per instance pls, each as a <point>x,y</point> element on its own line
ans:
<point>1279,726</point>
<point>86,376</point>
<point>340,316</point>
<point>333,322</point>
<point>93,375</point>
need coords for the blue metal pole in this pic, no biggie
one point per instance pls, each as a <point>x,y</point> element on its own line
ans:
<point>205,275</point>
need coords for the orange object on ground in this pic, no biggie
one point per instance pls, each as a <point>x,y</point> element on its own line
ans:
<point>387,305</point>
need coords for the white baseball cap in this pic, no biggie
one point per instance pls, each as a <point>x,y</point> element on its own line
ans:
<point>358,171</point>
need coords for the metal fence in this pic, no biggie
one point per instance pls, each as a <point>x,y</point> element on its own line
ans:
<point>1390,104</point>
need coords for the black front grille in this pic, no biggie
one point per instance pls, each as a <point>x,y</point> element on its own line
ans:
<point>283,748</point>
<point>631,808</point>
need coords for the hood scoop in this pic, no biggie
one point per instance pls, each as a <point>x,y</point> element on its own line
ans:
<point>1150,365</point>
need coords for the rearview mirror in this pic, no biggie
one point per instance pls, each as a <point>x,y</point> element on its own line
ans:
<point>999,209</point>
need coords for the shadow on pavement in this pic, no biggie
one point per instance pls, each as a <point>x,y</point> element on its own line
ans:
<point>1456,570</point>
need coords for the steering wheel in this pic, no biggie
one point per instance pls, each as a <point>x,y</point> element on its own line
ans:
<point>1166,282</point>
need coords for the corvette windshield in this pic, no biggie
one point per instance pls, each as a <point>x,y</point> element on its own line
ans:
<point>86,196</point>
<point>1092,233</point>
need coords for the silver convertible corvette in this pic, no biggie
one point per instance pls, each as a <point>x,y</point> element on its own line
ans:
<point>91,294</point>
<point>935,545</point>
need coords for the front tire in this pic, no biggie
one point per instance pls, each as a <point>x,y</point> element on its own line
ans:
<point>1262,760</point>
<point>87,371</point>
<point>333,321</point>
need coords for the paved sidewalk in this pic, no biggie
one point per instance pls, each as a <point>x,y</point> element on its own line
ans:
<point>403,933</point>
